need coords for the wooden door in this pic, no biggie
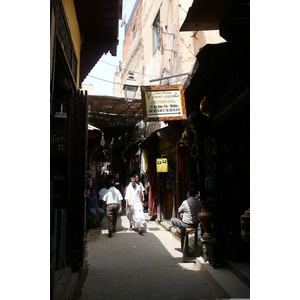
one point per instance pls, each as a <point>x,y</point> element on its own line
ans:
<point>78,178</point>
<point>169,203</point>
<point>182,171</point>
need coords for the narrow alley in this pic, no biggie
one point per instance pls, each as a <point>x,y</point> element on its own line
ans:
<point>133,266</point>
<point>177,118</point>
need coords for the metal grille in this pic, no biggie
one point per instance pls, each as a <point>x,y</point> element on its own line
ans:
<point>156,34</point>
<point>59,142</point>
<point>65,39</point>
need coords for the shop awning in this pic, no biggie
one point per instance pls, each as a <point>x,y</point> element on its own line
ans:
<point>217,67</point>
<point>221,72</point>
<point>206,14</point>
<point>94,132</point>
<point>134,144</point>
<point>114,115</point>
<point>90,127</point>
<point>230,17</point>
<point>167,133</point>
<point>99,27</point>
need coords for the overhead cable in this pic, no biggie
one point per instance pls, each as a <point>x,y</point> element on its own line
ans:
<point>126,69</point>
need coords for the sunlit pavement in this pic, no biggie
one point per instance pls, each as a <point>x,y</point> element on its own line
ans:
<point>133,266</point>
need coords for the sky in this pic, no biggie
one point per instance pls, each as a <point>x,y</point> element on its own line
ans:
<point>107,65</point>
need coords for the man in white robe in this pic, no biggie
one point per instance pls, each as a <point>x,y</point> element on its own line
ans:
<point>140,186</point>
<point>134,208</point>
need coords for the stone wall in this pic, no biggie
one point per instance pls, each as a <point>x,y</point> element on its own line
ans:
<point>177,54</point>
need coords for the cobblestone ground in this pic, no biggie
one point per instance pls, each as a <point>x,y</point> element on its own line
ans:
<point>133,266</point>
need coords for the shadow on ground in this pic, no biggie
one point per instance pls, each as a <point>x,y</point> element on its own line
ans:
<point>133,266</point>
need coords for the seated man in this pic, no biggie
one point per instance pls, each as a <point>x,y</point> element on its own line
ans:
<point>189,210</point>
<point>92,207</point>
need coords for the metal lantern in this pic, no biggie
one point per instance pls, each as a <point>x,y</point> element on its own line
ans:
<point>130,88</point>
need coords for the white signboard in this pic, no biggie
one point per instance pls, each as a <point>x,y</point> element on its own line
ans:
<point>163,103</point>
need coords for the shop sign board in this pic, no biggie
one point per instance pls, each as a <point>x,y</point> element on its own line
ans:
<point>163,103</point>
<point>161,165</point>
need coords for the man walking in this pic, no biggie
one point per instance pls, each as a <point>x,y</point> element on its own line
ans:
<point>188,210</point>
<point>134,208</point>
<point>113,204</point>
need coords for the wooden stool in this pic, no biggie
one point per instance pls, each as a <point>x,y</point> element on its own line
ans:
<point>186,244</point>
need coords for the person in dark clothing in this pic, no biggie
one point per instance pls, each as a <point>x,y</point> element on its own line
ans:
<point>120,187</point>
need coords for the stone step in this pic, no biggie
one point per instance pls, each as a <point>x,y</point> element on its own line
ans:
<point>227,282</point>
<point>64,283</point>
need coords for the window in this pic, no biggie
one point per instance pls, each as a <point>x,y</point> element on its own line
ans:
<point>156,34</point>
<point>133,32</point>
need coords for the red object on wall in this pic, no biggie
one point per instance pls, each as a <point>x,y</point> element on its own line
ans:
<point>182,151</point>
<point>153,186</point>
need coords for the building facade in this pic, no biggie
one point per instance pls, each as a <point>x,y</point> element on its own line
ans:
<point>154,47</point>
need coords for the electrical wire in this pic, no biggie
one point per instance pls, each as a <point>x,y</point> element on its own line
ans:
<point>107,63</point>
<point>126,69</point>
<point>105,80</point>
<point>173,82</point>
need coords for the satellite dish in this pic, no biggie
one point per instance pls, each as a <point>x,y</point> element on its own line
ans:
<point>123,21</point>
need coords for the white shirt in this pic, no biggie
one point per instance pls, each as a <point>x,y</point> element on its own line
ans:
<point>112,196</point>
<point>190,208</point>
<point>140,185</point>
<point>102,192</point>
<point>141,188</point>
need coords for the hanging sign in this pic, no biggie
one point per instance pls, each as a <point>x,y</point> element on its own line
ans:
<point>161,165</point>
<point>163,103</point>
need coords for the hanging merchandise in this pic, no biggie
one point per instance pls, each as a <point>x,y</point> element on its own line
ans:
<point>205,218</point>
<point>143,168</point>
<point>123,157</point>
<point>210,181</point>
<point>194,152</point>
<point>144,162</point>
<point>132,165</point>
<point>210,167</point>
<point>182,152</point>
<point>102,142</point>
<point>138,152</point>
<point>211,149</point>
